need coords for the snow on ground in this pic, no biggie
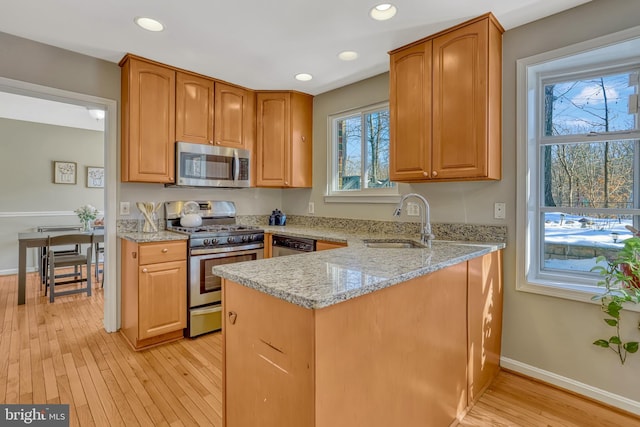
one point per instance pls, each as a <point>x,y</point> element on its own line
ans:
<point>567,229</point>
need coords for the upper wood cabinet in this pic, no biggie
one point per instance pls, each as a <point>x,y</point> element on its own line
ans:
<point>445,105</point>
<point>148,121</point>
<point>194,108</point>
<point>212,112</point>
<point>283,139</point>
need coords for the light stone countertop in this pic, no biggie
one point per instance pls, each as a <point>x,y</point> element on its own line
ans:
<point>160,236</point>
<point>321,279</point>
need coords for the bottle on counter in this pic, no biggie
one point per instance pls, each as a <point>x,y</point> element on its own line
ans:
<point>272,218</point>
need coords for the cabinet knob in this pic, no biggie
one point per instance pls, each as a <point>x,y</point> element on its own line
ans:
<point>165,250</point>
<point>144,270</point>
<point>434,173</point>
<point>426,174</point>
<point>232,317</point>
<point>211,142</point>
<point>304,138</point>
<point>218,142</point>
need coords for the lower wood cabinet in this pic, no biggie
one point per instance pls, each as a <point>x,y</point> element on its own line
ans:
<point>414,354</point>
<point>154,292</point>
<point>323,245</point>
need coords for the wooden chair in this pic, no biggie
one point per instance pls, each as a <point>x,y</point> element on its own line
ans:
<point>43,268</point>
<point>69,260</point>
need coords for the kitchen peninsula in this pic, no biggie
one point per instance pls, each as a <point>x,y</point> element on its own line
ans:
<point>361,336</point>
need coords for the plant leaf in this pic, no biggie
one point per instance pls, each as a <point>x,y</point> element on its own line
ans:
<point>611,322</point>
<point>631,346</point>
<point>615,340</point>
<point>602,343</point>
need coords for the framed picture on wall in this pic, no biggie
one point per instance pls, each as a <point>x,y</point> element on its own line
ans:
<point>64,172</point>
<point>95,177</point>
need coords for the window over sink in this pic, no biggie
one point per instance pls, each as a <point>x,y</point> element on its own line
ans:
<point>359,155</point>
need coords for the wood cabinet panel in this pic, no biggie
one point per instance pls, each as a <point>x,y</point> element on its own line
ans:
<point>322,245</point>
<point>268,381</point>
<point>410,115</point>
<point>485,288</point>
<point>460,102</point>
<point>154,292</point>
<point>194,108</point>
<point>395,363</point>
<point>445,105</point>
<point>162,298</point>
<point>148,122</point>
<point>283,139</point>
<point>234,117</point>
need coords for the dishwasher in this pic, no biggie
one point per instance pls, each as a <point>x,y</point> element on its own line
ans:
<point>285,245</point>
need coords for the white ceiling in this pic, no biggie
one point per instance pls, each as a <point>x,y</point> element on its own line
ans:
<point>260,44</point>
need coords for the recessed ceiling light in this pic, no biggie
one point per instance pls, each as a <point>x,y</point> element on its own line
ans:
<point>304,77</point>
<point>383,11</point>
<point>348,55</point>
<point>149,24</point>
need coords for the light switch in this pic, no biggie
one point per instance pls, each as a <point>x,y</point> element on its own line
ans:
<point>499,210</point>
<point>125,208</point>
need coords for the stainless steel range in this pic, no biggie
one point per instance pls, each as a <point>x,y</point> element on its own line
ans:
<point>218,240</point>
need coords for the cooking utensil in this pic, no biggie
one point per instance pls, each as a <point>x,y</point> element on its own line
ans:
<point>148,210</point>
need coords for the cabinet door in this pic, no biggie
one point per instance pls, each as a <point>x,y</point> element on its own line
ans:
<point>410,113</point>
<point>162,298</point>
<point>460,82</point>
<point>273,137</point>
<point>148,125</point>
<point>322,245</point>
<point>301,150</point>
<point>234,116</point>
<point>194,109</point>
<point>268,360</point>
<point>484,321</point>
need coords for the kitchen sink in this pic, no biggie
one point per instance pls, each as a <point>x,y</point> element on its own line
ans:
<point>393,243</point>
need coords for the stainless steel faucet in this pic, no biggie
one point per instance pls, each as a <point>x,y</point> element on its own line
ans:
<point>425,227</point>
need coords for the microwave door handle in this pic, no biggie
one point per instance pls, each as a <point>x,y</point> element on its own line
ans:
<point>236,166</point>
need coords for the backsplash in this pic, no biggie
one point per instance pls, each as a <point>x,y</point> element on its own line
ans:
<point>459,232</point>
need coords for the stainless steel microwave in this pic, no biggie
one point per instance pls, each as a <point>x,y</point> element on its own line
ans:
<point>200,165</point>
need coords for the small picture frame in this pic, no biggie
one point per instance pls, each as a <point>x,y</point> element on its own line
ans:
<point>95,177</point>
<point>64,172</point>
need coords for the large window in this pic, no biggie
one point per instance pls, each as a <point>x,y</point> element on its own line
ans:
<point>359,152</point>
<point>579,146</point>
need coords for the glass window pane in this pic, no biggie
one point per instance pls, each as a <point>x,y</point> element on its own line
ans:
<point>598,104</point>
<point>377,149</point>
<point>349,162</point>
<point>594,175</point>
<point>573,242</point>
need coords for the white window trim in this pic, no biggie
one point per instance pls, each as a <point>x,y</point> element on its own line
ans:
<point>528,76</point>
<point>367,195</point>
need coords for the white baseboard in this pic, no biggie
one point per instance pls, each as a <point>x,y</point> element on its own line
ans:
<point>10,271</point>
<point>572,385</point>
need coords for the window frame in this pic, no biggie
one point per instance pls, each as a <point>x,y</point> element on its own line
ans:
<point>362,195</point>
<point>583,59</point>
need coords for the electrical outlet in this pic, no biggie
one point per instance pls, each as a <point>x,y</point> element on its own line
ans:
<point>413,209</point>
<point>499,210</point>
<point>312,208</point>
<point>125,208</point>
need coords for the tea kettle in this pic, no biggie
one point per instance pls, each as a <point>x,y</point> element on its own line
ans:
<point>189,217</point>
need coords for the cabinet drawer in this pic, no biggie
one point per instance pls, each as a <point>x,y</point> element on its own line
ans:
<point>151,253</point>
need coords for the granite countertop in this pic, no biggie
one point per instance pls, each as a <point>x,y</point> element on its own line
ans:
<point>321,279</point>
<point>160,236</point>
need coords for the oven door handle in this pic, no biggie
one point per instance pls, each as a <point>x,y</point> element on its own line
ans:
<point>215,309</point>
<point>245,249</point>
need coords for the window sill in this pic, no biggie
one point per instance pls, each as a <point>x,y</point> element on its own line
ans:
<point>580,293</point>
<point>363,198</point>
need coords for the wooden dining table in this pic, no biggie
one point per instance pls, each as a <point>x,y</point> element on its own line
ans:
<point>38,240</point>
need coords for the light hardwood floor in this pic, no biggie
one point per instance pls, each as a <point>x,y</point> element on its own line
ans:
<point>60,353</point>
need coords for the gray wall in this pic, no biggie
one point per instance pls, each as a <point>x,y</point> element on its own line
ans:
<point>29,196</point>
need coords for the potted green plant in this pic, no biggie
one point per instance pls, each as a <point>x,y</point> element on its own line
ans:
<point>621,281</point>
